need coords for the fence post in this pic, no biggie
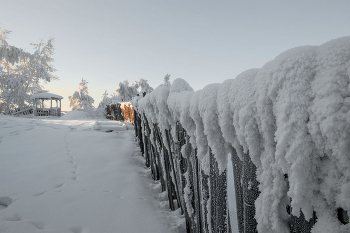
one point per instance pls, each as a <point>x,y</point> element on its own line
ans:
<point>173,168</point>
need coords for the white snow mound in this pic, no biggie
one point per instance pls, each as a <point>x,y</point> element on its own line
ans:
<point>76,115</point>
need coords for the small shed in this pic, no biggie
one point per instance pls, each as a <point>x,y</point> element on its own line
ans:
<point>39,106</point>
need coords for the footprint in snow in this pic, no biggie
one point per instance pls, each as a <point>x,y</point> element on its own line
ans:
<point>13,218</point>
<point>39,194</point>
<point>38,225</point>
<point>59,185</point>
<point>14,133</point>
<point>29,128</point>
<point>76,229</point>
<point>5,202</point>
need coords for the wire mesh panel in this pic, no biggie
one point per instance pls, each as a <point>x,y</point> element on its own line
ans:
<point>182,161</point>
<point>138,130</point>
<point>218,196</point>
<point>201,197</point>
<point>250,194</point>
<point>237,175</point>
<point>300,224</point>
<point>191,187</point>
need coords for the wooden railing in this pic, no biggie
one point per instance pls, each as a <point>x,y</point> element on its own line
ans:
<point>25,111</point>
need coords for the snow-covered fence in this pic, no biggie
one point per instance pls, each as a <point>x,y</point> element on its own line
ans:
<point>113,112</point>
<point>172,160</point>
<point>120,112</point>
<point>19,111</point>
<point>287,128</point>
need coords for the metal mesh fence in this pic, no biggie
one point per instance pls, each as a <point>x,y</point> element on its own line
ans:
<point>202,197</point>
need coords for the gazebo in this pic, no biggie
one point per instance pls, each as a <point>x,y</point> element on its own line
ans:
<point>41,110</point>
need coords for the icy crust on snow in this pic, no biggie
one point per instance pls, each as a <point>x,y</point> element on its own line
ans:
<point>292,117</point>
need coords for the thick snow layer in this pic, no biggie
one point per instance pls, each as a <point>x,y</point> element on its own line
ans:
<point>180,85</point>
<point>46,95</point>
<point>303,106</point>
<point>292,117</point>
<point>59,175</point>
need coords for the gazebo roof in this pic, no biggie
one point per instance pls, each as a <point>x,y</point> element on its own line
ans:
<point>46,96</point>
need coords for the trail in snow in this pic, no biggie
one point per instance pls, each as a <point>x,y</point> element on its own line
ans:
<point>60,175</point>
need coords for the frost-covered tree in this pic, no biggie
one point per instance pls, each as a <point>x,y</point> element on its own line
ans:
<point>81,98</point>
<point>145,87</point>
<point>21,73</point>
<point>166,80</point>
<point>101,109</point>
<point>105,100</point>
<point>125,92</point>
<point>115,98</point>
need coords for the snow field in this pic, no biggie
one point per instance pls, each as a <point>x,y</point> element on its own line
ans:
<point>293,118</point>
<point>60,175</point>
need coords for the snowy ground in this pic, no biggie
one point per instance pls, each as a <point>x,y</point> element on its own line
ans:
<point>59,175</point>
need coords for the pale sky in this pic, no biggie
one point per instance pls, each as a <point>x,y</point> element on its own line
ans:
<point>201,41</point>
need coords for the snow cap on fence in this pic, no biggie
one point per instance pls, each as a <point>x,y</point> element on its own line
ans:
<point>292,117</point>
<point>303,107</point>
<point>154,106</point>
<point>180,85</point>
<point>225,117</point>
<point>179,104</point>
<point>207,106</point>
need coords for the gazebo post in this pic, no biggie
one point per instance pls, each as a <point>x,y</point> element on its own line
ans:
<point>50,108</point>
<point>36,107</point>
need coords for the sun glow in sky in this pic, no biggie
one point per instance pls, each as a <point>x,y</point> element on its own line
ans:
<point>203,42</point>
